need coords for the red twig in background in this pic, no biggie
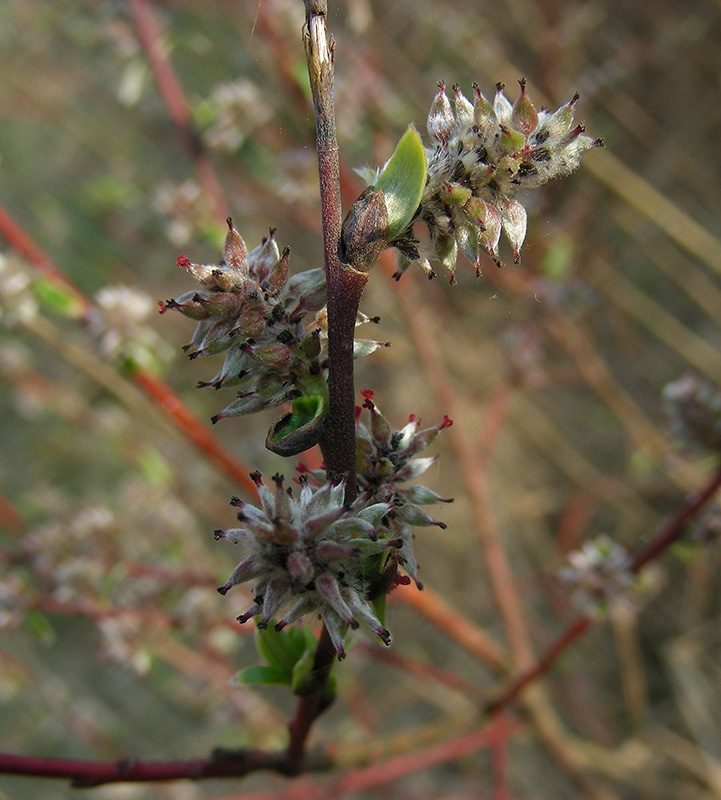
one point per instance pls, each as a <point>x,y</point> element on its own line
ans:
<point>422,759</point>
<point>156,389</point>
<point>10,519</point>
<point>177,107</point>
<point>670,533</point>
<point>24,244</point>
<point>193,429</point>
<point>674,527</point>
<point>567,638</point>
<point>420,669</point>
<point>435,610</point>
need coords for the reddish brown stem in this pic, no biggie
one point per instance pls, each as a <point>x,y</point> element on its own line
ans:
<point>338,440</point>
<point>85,774</point>
<point>24,244</point>
<point>311,707</point>
<point>345,285</point>
<point>567,638</point>
<point>674,528</point>
<point>155,388</point>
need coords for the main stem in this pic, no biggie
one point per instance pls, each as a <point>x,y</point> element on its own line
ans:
<point>345,285</point>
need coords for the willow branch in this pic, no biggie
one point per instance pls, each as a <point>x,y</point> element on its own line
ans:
<point>345,284</point>
<point>86,774</point>
<point>338,439</point>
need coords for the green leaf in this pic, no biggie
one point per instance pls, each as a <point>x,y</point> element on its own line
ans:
<point>58,298</point>
<point>304,410</point>
<point>283,649</point>
<point>261,676</point>
<point>402,181</point>
<point>288,654</point>
<point>301,429</point>
<point>303,681</point>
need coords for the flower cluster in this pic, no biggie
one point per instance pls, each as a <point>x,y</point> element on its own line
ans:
<point>482,153</point>
<point>271,327</point>
<point>694,406</point>
<point>122,330</point>
<point>310,555</point>
<point>385,461</point>
<point>599,571</point>
<point>268,325</point>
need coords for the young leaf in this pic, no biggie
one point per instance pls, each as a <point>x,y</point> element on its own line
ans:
<point>301,429</point>
<point>58,298</point>
<point>402,181</point>
<point>304,681</point>
<point>277,648</point>
<point>260,676</point>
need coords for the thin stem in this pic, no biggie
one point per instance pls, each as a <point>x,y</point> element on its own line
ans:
<point>156,390</point>
<point>670,533</point>
<point>177,106</point>
<point>311,707</point>
<point>675,526</point>
<point>345,288</point>
<point>345,285</point>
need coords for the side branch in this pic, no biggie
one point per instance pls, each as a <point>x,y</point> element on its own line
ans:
<point>670,533</point>
<point>86,774</point>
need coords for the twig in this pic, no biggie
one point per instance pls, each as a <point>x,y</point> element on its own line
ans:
<point>443,752</point>
<point>193,429</point>
<point>158,391</point>
<point>311,707</point>
<point>577,629</point>
<point>86,774</point>
<point>674,527</point>
<point>345,288</point>
<point>670,533</point>
<point>177,107</point>
<point>435,610</point>
<point>24,244</point>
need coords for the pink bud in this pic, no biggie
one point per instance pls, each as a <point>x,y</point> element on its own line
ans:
<point>235,251</point>
<point>441,121</point>
<point>524,117</point>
